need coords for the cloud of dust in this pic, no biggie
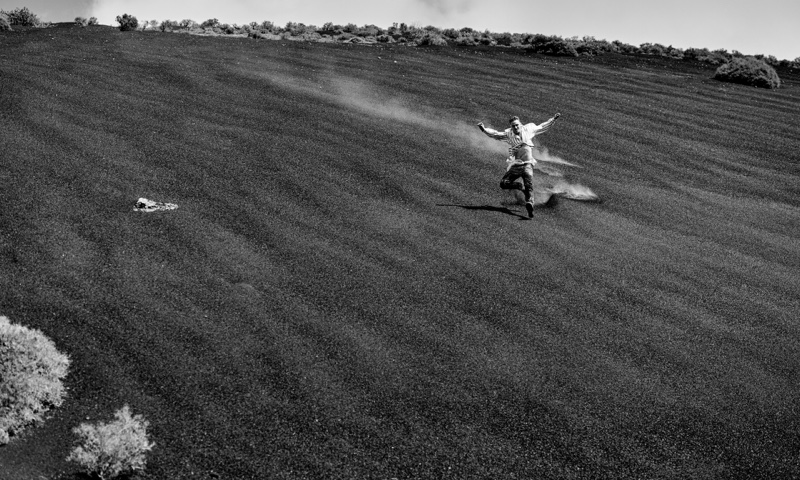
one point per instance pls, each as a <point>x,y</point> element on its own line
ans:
<point>364,98</point>
<point>542,154</point>
<point>574,191</point>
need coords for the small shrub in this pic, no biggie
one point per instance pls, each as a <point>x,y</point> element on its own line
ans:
<point>557,47</point>
<point>22,17</point>
<point>504,39</point>
<point>451,33</point>
<point>487,40</point>
<point>127,22</point>
<point>369,31</point>
<point>31,373</point>
<point>674,53</point>
<point>108,450</point>
<point>168,25</point>
<point>652,49</point>
<point>464,41</point>
<point>622,47</point>
<point>705,56</point>
<point>84,22</point>
<point>432,38</point>
<point>269,27</point>
<point>5,26</point>
<point>748,71</point>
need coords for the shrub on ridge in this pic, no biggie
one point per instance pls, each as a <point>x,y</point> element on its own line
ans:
<point>127,22</point>
<point>22,17</point>
<point>84,22</point>
<point>748,71</point>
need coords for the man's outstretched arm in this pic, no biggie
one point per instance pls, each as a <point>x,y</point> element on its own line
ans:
<point>546,125</point>
<point>492,133</point>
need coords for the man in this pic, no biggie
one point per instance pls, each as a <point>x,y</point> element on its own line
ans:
<point>520,156</point>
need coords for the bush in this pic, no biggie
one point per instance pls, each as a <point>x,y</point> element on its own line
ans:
<point>22,17</point>
<point>705,56</point>
<point>622,47</point>
<point>84,22</point>
<point>31,371</point>
<point>652,49</point>
<point>168,25</point>
<point>432,38</point>
<point>127,22</point>
<point>748,71</point>
<point>557,47</point>
<point>465,41</point>
<point>108,450</point>
<point>504,39</point>
<point>5,26</point>
<point>451,33</point>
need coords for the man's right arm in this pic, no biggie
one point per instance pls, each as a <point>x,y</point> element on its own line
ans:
<point>492,133</point>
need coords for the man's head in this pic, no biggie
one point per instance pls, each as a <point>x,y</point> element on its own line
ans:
<point>516,124</point>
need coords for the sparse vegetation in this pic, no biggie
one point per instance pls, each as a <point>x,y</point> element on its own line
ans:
<point>108,450</point>
<point>84,22</point>
<point>748,71</point>
<point>31,370</point>
<point>410,35</point>
<point>5,25</point>
<point>22,17</point>
<point>127,22</point>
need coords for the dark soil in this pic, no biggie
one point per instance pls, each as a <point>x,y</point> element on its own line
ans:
<point>344,290</point>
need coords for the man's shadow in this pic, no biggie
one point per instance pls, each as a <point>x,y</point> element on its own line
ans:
<point>548,205</point>
<point>488,208</point>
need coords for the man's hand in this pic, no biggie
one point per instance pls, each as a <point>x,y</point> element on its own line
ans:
<point>480,125</point>
<point>557,115</point>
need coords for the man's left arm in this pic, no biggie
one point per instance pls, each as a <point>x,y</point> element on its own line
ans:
<point>546,125</point>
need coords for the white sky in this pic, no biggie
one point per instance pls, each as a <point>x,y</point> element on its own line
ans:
<point>770,27</point>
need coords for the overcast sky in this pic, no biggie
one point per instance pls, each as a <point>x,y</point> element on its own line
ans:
<point>770,27</point>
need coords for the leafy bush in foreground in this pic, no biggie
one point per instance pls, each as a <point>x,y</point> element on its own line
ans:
<point>748,71</point>
<point>127,22</point>
<point>108,450</point>
<point>22,17</point>
<point>31,373</point>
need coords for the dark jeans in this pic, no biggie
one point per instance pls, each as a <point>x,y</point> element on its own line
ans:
<point>525,172</point>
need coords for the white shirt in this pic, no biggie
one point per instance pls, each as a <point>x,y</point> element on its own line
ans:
<point>519,152</point>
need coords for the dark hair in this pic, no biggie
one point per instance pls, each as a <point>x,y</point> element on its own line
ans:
<point>511,120</point>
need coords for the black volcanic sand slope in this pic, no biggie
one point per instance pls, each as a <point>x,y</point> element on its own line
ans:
<point>345,292</point>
